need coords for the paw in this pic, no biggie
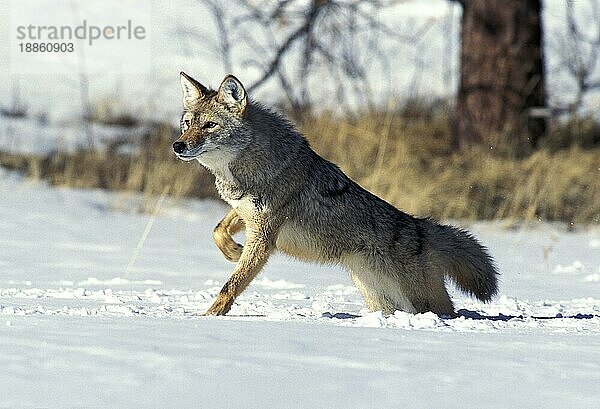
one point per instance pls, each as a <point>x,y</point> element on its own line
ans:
<point>232,251</point>
<point>227,245</point>
<point>221,306</point>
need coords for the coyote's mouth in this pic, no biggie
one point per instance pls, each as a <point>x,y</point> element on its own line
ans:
<point>190,155</point>
<point>187,158</point>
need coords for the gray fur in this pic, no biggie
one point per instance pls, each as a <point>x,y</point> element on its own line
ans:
<point>305,206</point>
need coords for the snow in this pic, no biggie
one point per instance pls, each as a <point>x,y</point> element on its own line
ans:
<point>43,138</point>
<point>78,330</point>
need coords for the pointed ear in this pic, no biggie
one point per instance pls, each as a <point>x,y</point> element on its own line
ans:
<point>232,94</point>
<point>193,91</point>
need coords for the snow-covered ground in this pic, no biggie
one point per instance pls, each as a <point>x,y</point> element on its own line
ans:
<point>29,135</point>
<point>78,330</point>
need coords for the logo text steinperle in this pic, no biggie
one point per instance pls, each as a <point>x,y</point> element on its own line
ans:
<point>82,32</point>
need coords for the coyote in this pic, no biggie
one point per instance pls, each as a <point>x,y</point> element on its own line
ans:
<point>288,198</point>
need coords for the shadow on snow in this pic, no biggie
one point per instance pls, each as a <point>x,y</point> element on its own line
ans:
<point>477,316</point>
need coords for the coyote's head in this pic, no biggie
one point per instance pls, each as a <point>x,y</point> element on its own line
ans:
<point>211,125</point>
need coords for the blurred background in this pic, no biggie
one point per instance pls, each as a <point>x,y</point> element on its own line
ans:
<point>474,109</point>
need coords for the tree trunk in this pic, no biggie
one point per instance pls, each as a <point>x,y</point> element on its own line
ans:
<point>502,75</point>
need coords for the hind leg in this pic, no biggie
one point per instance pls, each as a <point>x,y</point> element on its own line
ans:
<point>382,292</point>
<point>372,300</point>
<point>430,294</point>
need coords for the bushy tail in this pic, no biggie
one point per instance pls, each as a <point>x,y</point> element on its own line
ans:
<point>466,261</point>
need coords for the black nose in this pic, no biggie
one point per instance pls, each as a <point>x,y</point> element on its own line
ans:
<point>179,147</point>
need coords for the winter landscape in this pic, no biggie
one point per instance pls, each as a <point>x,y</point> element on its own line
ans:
<point>78,330</point>
<point>107,261</point>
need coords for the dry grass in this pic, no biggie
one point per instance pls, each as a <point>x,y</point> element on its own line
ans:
<point>152,170</point>
<point>411,164</point>
<point>407,160</point>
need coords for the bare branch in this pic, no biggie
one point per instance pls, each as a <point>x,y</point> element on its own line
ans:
<point>225,45</point>
<point>295,42</point>
<point>287,44</point>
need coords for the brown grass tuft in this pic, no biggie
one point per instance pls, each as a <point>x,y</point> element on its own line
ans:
<point>411,164</point>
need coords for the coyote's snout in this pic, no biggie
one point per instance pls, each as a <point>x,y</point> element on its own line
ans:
<point>288,198</point>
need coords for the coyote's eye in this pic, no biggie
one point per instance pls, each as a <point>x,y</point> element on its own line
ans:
<point>209,125</point>
<point>185,124</point>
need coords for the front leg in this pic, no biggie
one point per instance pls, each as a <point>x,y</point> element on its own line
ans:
<point>258,248</point>
<point>222,235</point>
